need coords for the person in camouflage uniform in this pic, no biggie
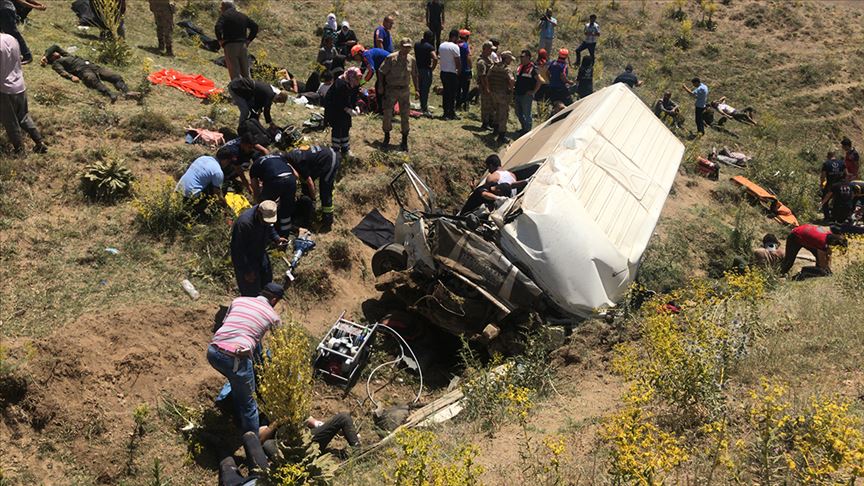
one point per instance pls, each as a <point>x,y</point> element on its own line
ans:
<point>501,82</point>
<point>163,12</point>
<point>484,63</point>
<point>398,72</point>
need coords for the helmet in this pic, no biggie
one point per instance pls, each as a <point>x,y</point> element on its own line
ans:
<point>562,53</point>
<point>357,49</point>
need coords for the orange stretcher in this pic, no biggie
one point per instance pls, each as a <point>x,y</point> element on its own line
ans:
<point>782,213</point>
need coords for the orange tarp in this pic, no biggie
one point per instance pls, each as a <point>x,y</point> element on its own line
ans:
<point>194,84</point>
<point>781,212</point>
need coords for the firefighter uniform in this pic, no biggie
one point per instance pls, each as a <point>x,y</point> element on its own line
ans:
<point>320,163</point>
<point>163,12</point>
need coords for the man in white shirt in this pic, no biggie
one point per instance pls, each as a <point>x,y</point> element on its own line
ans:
<point>592,33</point>
<point>14,114</point>
<point>451,65</point>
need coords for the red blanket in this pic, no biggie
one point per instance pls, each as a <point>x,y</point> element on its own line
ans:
<point>194,84</point>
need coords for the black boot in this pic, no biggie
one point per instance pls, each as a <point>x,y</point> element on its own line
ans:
<point>386,143</point>
<point>326,222</point>
<point>404,145</point>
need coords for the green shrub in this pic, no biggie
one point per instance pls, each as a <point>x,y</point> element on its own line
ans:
<point>90,116</point>
<point>162,211</point>
<point>113,48</point>
<point>106,181</point>
<point>148,125</point>
<point>662,268</point>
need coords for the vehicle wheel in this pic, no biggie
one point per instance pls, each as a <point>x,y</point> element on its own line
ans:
<point>388,258</point>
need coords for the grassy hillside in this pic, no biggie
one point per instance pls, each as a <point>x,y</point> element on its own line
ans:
<point>95,345</point>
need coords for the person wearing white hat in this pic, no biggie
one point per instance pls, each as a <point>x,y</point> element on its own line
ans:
<point>345,39</point>
<point>250,234</point>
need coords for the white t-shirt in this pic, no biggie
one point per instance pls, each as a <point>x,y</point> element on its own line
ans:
<point>592,31</point>
<point>724,108</point>
<point>448,55</point>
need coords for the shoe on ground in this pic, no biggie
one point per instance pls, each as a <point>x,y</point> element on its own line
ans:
<point>484,127</point>
<point>40,148</point>
<point>113,98</point>
<point>133,95</point>
<point>427,114</point>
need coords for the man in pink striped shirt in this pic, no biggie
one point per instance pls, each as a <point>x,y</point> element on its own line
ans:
<point>230,351</point>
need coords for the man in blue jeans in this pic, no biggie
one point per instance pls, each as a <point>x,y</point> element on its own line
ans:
<point>527,84</point>
<point>233,345</point>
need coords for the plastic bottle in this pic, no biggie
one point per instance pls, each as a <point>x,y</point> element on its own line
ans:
<point>190,289</point>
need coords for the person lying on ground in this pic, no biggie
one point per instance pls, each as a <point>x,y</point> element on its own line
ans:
<point>743,116</point>
<point>78,69</point>
<point>665,107</point>
<point>257,462</point>
<point>230,351</point>
<point>322,432</point>
<point>254,98</point>
<point>769,254</point>
<point>628,77</point>
<point>205,176</point>
<point>842,196</point>
<point>818,240</point>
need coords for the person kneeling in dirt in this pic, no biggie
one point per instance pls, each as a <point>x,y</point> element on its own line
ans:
<point>204,178</point>
<point>842,197</point>
<point>816,239</point>
<point>769,254</point>
<point>250,234</point>
<point>665,107</point>
<point>241,150</point>
<point>77,69</point>
<point>322,163</point>
<point>726,111</point>
<point>231,349</point>
<point>274,178</point>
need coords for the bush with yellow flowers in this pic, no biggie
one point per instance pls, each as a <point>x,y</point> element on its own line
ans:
<point>640,451</point>
<point>420,460</point>
<point>820,444</point>
<point>162,211</point>
<point>285,379</point>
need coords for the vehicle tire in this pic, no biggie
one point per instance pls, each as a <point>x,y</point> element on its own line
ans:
<point>388,258</point>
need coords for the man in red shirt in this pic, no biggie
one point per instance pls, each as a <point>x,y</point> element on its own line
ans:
<point>852,159</point>
<point>816,239</point>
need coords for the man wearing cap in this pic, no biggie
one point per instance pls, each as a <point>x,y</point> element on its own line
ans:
<point>451,64</point>
<point>14,112</point>
<point>397,72</point>
<point>92,75</point>
<point>484,63</point>
<point>465,74</point>
<point>250,234</point>
<point>501,83</point>
<point>235,31</point>
<point>345,39</point>
<point>230,351</point>
<point>273,178</point>
<point>321,163</point>
<point>382,38</point>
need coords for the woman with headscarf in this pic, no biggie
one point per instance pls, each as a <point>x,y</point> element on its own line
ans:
<point>330,28</point>
<point>340,104</point>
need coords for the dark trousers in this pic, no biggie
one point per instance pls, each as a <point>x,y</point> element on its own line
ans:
<point>793,246</point>
<point>450,82</point>
<point>700,121</point>
<point>583,46</point>
<point>284,189</point>
<point>15,115</point>
<point>263,275</point>
<point>256,461</point>
<point>8,25</point>
<point>94,76</point>
<point>436,33</point>
<point>425,85</point>
<point>464,89</point>
<point>340,423</point>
